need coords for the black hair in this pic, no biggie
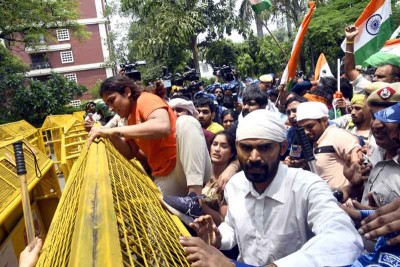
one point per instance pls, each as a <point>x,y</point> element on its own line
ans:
<point>229,112</point>
<point>346,88</point>
<point>329,83</point>
<point>295,98</point>
<point>228,102</point>
<point>324,92</point>
<point>118,84</point>
<point>255,94</point>
<point>203,101</point>
<point>230,139</point>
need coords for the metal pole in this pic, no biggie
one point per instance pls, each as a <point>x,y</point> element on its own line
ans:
<point>273,37</point>
<point>26,204</point>
<point>338,74</point>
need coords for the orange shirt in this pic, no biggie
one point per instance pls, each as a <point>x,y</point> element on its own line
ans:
<point>160,152</point>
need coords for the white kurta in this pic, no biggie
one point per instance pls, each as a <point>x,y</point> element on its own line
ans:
<point>296,221</point>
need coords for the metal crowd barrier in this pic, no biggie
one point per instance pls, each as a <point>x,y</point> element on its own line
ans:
<point>44,194</point>
<point>110,215</point>
<point>23,130</point>
<point>64,137</point>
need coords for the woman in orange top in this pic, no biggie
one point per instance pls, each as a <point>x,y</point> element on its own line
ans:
<point>176,150</point>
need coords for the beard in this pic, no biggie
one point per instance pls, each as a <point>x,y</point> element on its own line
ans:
<point>263,173</point>
<point>245,112</point>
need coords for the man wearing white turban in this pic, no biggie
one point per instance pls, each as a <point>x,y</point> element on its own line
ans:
<point>331,144</point>
<point>278,216</point>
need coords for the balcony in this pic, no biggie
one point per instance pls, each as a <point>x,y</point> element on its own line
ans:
<point>40,66</point>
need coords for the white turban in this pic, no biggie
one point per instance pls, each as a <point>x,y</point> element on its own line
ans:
<point>185,104</point>
<point>261,124</point>
<point>311,110</point>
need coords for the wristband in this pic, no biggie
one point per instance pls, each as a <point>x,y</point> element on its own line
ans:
<point>349,52</point>
<point>349,42</point>
<point>241,264</point>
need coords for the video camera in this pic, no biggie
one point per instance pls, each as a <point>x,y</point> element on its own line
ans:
<point>226,72</point>
<point>190,74</point>
<point>131,71</point>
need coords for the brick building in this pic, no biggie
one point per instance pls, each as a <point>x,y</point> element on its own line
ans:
<point>82,62</point>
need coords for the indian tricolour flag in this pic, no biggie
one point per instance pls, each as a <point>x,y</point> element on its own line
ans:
<point>290,70</point>
<point>389,54</point>
<point>375,27</point>
<point>260,5</point>
<point>322,68</point>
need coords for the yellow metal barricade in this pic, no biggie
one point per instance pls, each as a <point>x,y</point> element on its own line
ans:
<point>64,137</point>
<point>110,215</point>
<point>44,195</point>
<point>79,115</point>
<point>22,129</point>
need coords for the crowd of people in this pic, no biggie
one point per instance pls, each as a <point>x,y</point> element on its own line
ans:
<point>233,165</point>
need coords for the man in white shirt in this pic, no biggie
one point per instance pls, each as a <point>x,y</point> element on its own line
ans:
<point>278,216</point>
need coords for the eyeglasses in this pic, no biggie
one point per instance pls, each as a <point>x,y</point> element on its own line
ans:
<point>290,110</point>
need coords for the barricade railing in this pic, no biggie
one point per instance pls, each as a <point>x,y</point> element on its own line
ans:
<point>64,136</point>
<point>22,129</point>
<point>44,191</point>
<point>110,215</point>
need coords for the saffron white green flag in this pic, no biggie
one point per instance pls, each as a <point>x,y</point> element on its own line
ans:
<point>389,54</point>
<point>322,68</point>
<point>260,5</point>
<point>375,27</point>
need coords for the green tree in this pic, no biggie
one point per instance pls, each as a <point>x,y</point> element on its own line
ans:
<point>40,99</point>
<point>245,65</point>
<point>179,23</point>
<point>30,20</point>
<point>269,57</point>
<point>221,52</point>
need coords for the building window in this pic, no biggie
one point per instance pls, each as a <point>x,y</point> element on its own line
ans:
<point>63,35</point>
<point>66,57</point>
<point>71,77</point>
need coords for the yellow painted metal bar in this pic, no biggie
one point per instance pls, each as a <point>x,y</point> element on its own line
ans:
<point>110,215</point>
<point>94,240</point>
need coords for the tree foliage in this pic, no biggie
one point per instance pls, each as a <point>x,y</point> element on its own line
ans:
<point>33,100</point>
<point>221,52</point>
<point>28,20</point>
<point>178,23</point>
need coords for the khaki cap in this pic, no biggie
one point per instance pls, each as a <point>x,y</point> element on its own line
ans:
<point>375,86</point>
<point>266,78</point>
<point>386,95</point>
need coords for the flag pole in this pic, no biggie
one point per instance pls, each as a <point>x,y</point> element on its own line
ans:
<point>338,74</point>
<point>273,37</point>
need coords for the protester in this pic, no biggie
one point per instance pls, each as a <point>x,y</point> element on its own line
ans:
<point>330,151</point>
<point>291,217</point>
<point>384,73</point>
<point>182,106</point>
<point>222,153</point>
<point>206,109</point>
<point>176,149</point>
<point>295,156</point>
<point>359,120</point>
<point>228,118</point>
